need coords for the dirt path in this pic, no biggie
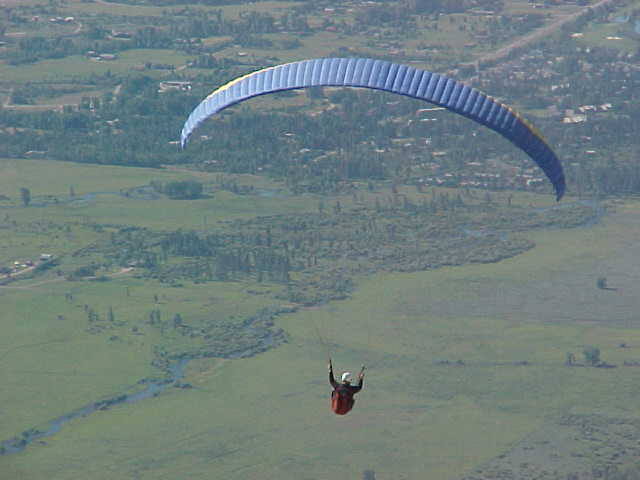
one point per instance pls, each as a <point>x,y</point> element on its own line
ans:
<point>78,28</point>
<point>21,272</point>
<point>32,285</point>
<point>119,273</point>
<point>7,100</point>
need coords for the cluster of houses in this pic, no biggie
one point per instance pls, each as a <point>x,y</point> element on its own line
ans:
<point>571,116</point>
<point>19,266</point>
<point>99,57</point>
<point>36,18</point>
<point>174,85</point>
<point>477,176</point>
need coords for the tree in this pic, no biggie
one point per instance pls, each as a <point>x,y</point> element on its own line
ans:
<point>591,355</point>
<point>570,359</point>
<point>25,195</point>
<point>601,283</point>
<point>183,190</point>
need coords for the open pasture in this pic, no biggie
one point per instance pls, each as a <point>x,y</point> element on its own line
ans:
<point>55,360</point>
<point>45,177</point>
<point>78,66</point>
<point>128,10</point>
<point>421,413</point>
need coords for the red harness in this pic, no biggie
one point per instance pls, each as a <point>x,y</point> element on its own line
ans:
<point>341,402</point>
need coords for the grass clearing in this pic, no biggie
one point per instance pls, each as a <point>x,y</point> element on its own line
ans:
<point>48,177</point>
<point>612,35</point>
<point>61,228</point>
<point>78,66</point>
<point>76,7</point>
<point>268,416</point>
<point>14,3</point>
<point>69,98</point>
<point>165,214</point>
<point>52,364</point>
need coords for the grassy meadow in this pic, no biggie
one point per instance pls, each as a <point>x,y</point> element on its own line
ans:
<point>113,8</point>
<point>77,67</point>
<point>97,196</point>
<point>421,414</point>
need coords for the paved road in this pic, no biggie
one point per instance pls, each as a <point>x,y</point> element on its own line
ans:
<point>539,33</point>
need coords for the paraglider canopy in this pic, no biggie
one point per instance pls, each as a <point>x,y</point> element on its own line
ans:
<point>390,77</point>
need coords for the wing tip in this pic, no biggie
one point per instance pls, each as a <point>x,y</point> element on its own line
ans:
<point>560,188</point>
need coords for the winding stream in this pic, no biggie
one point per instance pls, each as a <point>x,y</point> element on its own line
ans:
<point>176,370</point>
<point>152,388</point>
<point>259,325</point>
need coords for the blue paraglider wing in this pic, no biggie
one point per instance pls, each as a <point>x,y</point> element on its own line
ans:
<point>390,77</point>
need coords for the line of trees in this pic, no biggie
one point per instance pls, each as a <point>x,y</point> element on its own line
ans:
<point>366,136</point>
<point>179,189</point>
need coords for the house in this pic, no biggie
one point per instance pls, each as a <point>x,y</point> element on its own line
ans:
<point>433,109</point>
<point>174,85</point>
<point>571,117</point>
<point>575,119</point>
<point>35,153</point>
<point>121,35</point>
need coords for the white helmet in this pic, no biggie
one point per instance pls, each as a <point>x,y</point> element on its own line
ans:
<point>346,376</point>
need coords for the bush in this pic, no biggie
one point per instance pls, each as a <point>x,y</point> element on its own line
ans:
<point>591,355</point>
<point>183,190</point>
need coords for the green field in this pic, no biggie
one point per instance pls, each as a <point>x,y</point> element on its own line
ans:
<point>104,204</point>
<point>268,417</point>
<point>610,35</point>
<point>114,8</point>
<point>79,67</point>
